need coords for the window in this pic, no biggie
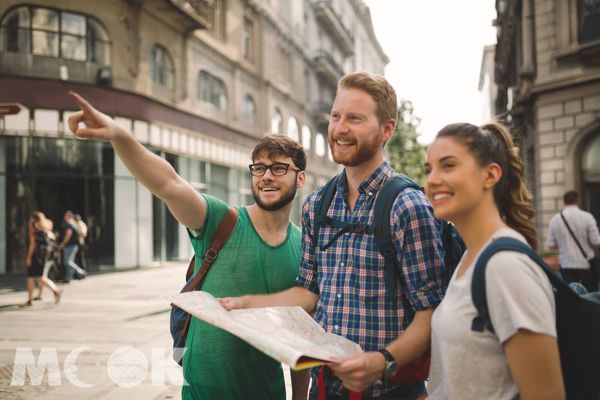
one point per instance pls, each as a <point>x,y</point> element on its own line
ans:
<point>320,144</point>
<point>292,129</point>
<point>276,121</point>
<point>212,90</point>
<point>590,20</point>
<point>54,33</point>
<point>161,67</point>
<point>248,40</point>
<point>249,109</point>
<point>306,137</point>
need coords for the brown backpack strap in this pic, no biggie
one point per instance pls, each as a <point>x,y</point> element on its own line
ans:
<point>218,241</point>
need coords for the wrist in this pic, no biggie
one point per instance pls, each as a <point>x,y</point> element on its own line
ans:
<point>390,365</point>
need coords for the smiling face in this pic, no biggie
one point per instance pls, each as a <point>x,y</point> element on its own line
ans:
<point>273,192</point>
<point>456,184</point>
<point>355,135</point>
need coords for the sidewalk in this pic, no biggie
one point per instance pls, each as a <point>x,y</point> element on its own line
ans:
<point>108,338</point>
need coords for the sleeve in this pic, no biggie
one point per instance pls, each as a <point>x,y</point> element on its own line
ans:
<point>551,239</point>
<point>519,296</point>
<point>308,272</point>
<point>215,211</point>
<point>593,234</point>
<point>421,254</point>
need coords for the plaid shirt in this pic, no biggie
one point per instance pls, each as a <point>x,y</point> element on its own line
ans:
<point>349,275</point>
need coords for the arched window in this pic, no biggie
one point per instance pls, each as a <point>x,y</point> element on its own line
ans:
<point>161,67</point>
<point>276,121</point>
<point>54,33</point>
<point>249,109</point>
<point>320,144</point>
<point>212,90</point>
<point>306,137</point>
<point>590,20</point>
<point>292,129</point>
<point>591,156</point>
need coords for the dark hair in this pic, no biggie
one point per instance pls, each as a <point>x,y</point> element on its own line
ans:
<point>378,88</point>
<point>271,145</point>
<point>493,143</point>
<point>571,197</point>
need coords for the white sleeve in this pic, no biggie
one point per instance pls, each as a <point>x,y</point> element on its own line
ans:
<point>519,296</point>
<point>551,240</point>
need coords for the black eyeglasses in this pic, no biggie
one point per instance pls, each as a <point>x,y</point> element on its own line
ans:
<point>277,169</point>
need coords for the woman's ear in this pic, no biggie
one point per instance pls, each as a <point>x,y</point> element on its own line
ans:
<point>493,175</point>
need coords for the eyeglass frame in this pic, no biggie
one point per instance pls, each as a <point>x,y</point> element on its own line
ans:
<point>269,167</point>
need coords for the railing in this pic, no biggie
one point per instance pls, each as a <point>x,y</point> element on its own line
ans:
<point>328,58</point>
<point>327,4</point>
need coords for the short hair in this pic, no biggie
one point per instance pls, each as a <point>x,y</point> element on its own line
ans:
<point>571,197</point>
<point>276,144</point>
<point>380,90</point>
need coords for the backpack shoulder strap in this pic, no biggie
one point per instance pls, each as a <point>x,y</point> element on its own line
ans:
<point>322,206</point>
<point>383,235</point>
<point>218,241</point>
<point>478,290</point>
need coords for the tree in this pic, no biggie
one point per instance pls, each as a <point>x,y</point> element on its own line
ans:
<point>406,154</point>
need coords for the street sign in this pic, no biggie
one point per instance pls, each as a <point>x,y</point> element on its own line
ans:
<point>9,108</point>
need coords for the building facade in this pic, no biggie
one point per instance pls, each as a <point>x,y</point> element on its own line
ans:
<point>547,71</point>
<point>198,82</point>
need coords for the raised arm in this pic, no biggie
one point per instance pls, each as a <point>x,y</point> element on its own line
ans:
<point>186,205</point>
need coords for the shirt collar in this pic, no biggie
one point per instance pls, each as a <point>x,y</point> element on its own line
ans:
<point>372,184</point>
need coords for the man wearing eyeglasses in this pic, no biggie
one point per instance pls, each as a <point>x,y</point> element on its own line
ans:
<point>261,256</point>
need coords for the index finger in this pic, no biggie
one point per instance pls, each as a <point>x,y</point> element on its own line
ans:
<point>83,103</point>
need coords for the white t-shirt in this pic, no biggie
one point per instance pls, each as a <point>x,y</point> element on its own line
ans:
<point>472,365</point>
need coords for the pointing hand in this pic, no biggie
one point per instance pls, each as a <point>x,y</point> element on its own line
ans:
<point>97,125</point>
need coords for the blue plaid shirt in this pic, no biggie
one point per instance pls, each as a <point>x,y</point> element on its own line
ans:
<point>349,275</point>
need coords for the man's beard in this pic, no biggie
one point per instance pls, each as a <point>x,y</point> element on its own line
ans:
<point>364,152</point>
<point>286,198</point>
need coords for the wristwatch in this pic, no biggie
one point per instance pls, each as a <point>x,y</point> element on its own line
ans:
<point>391,366</point>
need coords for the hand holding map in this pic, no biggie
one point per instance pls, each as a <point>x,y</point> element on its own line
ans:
<point>287,334</point>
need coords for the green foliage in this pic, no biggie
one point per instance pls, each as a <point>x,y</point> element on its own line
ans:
<point>406,154</point>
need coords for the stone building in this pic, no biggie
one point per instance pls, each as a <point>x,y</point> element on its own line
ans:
<point>547,69</point>
<point>198,82</point>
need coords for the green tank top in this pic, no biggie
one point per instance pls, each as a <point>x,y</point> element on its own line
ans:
<point>218,365</point>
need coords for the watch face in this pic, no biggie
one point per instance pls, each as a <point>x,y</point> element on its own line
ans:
<point>390,369</point>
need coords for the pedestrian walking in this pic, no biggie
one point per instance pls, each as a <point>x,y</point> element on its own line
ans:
<point>475,179</point>
<point>39,252</point>
<point>70,246</point>
<point>575,233</point>
<point>261,255</point>
<point>82,232</point>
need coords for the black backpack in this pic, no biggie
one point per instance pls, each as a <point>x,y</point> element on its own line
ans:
<point>452,243</point>
<point>577,322</point>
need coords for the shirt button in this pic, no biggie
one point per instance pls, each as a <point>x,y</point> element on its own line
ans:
<point>369,193</point>
<point>342,264</point>
<point>347,234</point>
<point>339,295</point>
<point>336,327</point>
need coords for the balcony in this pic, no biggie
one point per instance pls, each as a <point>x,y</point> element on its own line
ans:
<point>199,12</point>
<point>333,24</point>
<point>327,68</point>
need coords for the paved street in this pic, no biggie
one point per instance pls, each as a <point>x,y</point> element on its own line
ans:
<point>107,339</point>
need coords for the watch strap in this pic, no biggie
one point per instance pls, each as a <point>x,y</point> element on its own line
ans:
<point>387,355</point>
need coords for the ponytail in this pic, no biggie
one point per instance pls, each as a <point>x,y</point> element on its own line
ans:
<point>511,196</point>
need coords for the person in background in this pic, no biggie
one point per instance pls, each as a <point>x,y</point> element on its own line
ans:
<point>575,260</point>
<point>39,250</point>
<point>70,246</point>
<point>475,179</point>
<point>82,231</point>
